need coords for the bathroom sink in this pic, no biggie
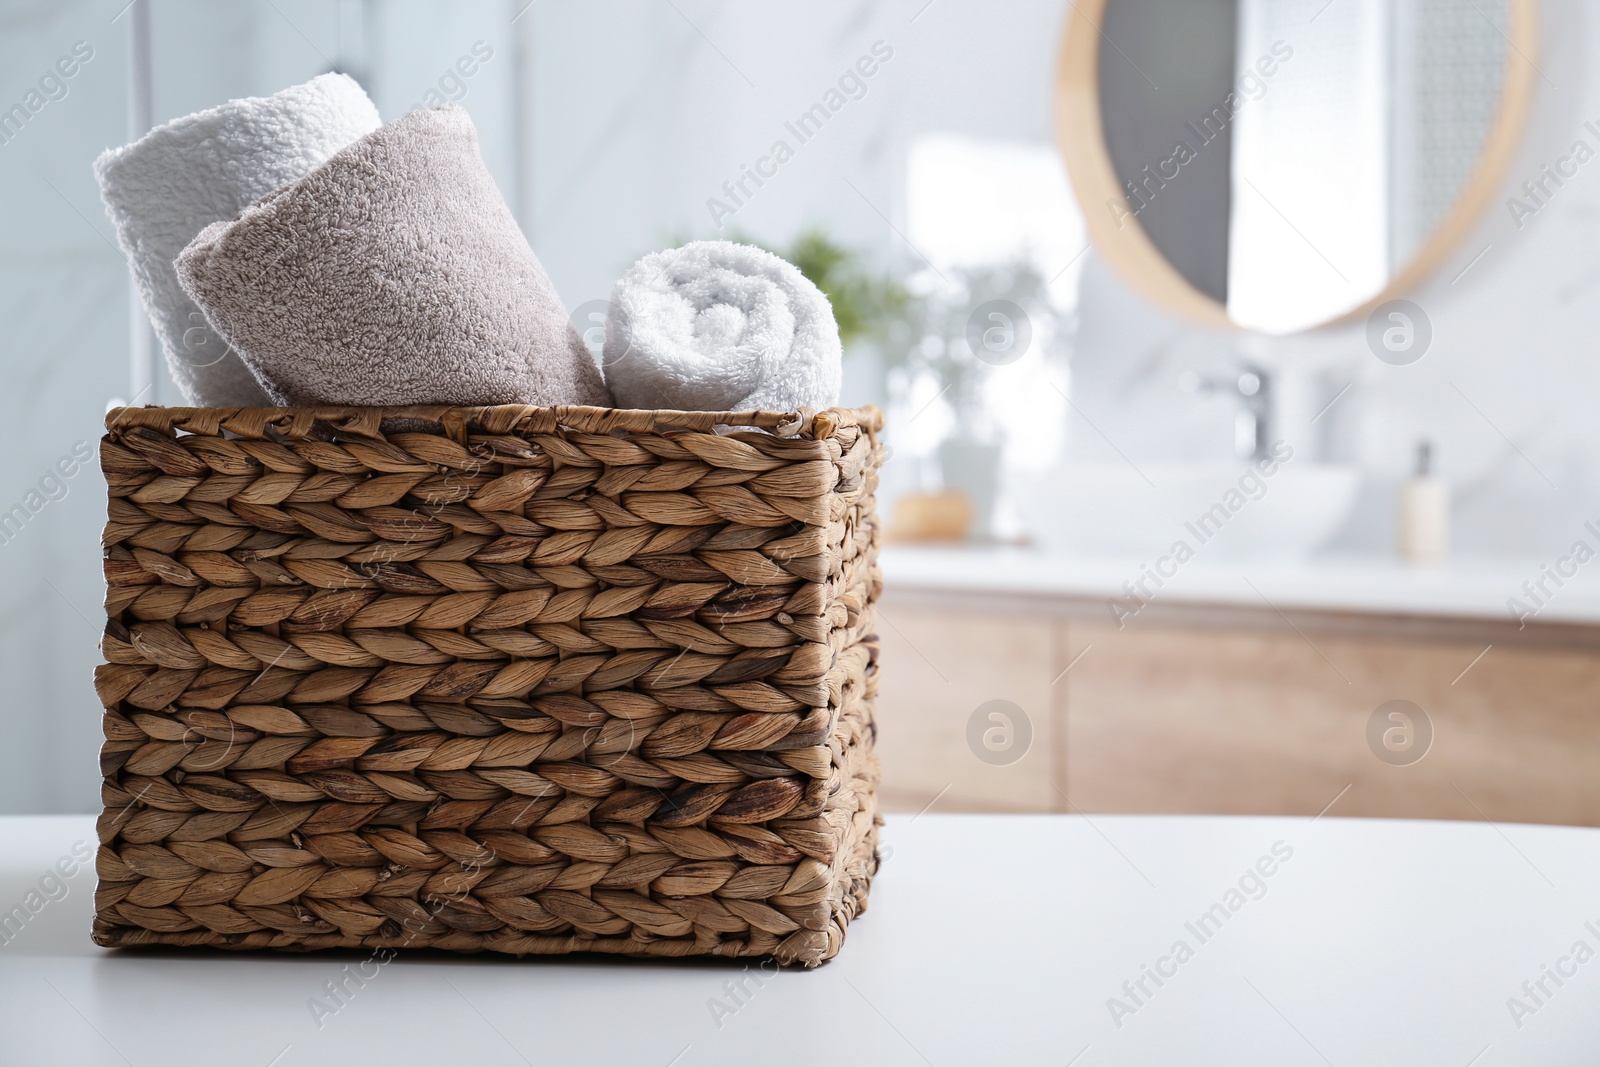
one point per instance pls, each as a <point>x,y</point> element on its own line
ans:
<point>1220,511</point>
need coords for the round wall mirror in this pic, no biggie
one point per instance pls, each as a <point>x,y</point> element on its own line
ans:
<point>1278,165</point>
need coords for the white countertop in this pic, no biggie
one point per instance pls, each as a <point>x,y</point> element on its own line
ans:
<point>991,939</point>
<point>1465,588</point>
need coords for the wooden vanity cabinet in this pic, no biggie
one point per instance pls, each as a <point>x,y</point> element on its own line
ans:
<point>1201,710</point>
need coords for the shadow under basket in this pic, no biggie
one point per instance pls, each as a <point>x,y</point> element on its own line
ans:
<point>500,679</point>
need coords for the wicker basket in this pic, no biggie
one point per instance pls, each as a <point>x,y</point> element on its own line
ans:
<point>510,679</point>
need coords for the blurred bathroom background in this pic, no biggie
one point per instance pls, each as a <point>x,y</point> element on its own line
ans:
<point>931,186</point>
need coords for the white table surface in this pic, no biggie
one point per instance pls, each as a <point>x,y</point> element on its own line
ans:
<point>990,940</point>
<point>1462,588</point>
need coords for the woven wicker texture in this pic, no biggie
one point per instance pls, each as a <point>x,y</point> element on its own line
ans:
<point>523,680</point>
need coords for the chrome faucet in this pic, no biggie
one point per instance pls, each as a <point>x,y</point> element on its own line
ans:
<point>1252,387</point>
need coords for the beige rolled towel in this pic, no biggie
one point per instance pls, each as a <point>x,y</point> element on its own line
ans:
<point>392,274</point>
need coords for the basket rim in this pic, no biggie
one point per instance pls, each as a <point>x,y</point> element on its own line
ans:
<point>497,418</point>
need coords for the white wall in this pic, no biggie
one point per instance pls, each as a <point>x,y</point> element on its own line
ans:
<point>63,327</point>
<point>642,113</point>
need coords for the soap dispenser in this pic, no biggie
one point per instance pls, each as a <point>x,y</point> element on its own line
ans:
<point>1424,512</point>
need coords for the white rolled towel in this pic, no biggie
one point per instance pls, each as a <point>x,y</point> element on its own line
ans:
<point>166,187</point>
<point>718,326</point>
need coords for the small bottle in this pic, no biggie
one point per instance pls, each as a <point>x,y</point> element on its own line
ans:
<point>1424,512</point>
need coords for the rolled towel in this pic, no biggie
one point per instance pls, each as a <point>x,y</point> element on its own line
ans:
<point>393,274</point>
<point>718,326</point>
<point>167,186</point>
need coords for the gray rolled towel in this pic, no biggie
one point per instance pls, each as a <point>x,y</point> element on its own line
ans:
<point>164,188</point>
<point>393,274</point>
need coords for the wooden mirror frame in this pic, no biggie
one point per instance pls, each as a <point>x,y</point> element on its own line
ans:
<point>1134,256</point>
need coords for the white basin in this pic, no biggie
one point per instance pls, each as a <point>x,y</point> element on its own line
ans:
<point>1220,511</point>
